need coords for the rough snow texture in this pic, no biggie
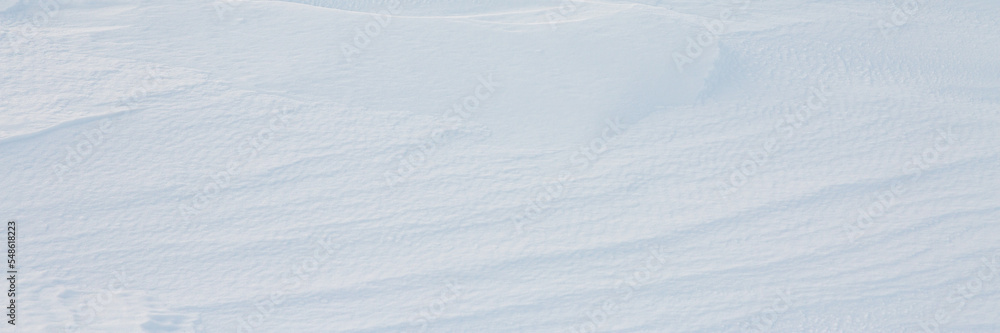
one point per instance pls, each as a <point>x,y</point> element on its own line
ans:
<point>502,166</point>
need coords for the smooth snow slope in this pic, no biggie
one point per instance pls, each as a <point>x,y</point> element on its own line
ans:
<point>502,166</point>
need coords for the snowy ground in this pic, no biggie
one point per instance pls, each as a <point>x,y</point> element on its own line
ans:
<point>502,165</point>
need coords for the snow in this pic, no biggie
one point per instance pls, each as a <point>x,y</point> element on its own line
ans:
<point>502,166</point>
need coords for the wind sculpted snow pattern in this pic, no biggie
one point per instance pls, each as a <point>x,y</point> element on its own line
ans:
<point>502,166</point>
